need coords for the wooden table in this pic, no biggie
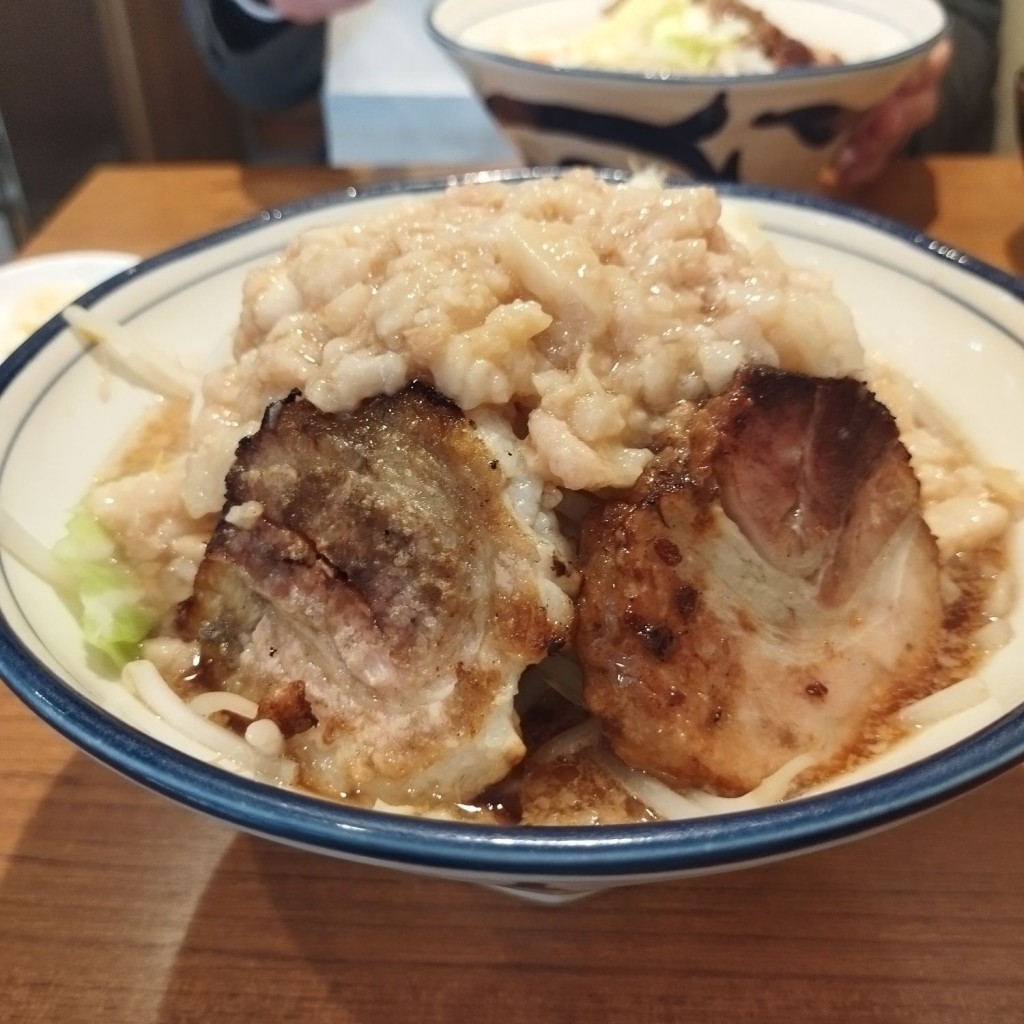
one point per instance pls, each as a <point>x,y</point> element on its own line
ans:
<point>118,906</point>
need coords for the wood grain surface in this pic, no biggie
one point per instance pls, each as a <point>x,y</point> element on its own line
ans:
<point>119,907</point>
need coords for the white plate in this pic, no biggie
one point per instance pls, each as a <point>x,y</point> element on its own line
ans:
<point>35,288</point>
<point>952,325</point>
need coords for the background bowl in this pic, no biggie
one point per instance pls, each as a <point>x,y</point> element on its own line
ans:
<point>777,129</point>
<point>950,324</point>
<point>33,289</point>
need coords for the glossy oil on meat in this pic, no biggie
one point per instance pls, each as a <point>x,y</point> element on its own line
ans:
<point>371,587</point>
<point>769,589</point>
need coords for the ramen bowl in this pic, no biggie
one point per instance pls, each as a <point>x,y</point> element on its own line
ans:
<point>952,326</point>
<point>778,128</point>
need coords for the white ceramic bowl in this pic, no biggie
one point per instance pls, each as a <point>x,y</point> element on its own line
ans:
<point>32,289</point>
<point>952,325</point>
<point>773,129</point>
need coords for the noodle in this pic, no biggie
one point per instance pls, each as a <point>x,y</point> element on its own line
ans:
<point>158,372</point>
<point>143,678</point>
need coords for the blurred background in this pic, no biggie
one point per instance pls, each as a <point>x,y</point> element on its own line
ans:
<point>84,82</point>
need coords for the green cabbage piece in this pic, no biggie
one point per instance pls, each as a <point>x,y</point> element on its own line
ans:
<point>112,609</point>
<point>660,35</point>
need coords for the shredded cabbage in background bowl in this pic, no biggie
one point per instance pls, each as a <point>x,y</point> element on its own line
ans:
<point>658,37</point>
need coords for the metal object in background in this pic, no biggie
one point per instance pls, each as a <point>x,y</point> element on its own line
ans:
<point>12,197</point>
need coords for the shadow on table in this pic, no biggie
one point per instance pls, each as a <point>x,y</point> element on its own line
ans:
<point>1015,251</point>
<point>906,193</point>
<point>183,920</point>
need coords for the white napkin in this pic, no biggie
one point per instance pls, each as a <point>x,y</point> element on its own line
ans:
<point>391,95</point>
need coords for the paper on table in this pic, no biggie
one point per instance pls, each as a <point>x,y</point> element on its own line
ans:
<point>391,96</point>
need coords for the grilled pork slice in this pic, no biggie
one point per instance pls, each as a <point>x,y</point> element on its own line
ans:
<point>378,582</point>
<point>768,590</point>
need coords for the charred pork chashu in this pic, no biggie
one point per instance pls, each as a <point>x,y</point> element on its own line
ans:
<point>372,586</point>
<point>767,589</point>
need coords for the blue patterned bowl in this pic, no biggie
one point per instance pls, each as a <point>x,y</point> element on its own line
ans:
<point>952,326</point>
<point>771,129</point>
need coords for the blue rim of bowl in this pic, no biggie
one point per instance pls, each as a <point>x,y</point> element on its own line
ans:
<point>513,853</point>
<point>823,71</point>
